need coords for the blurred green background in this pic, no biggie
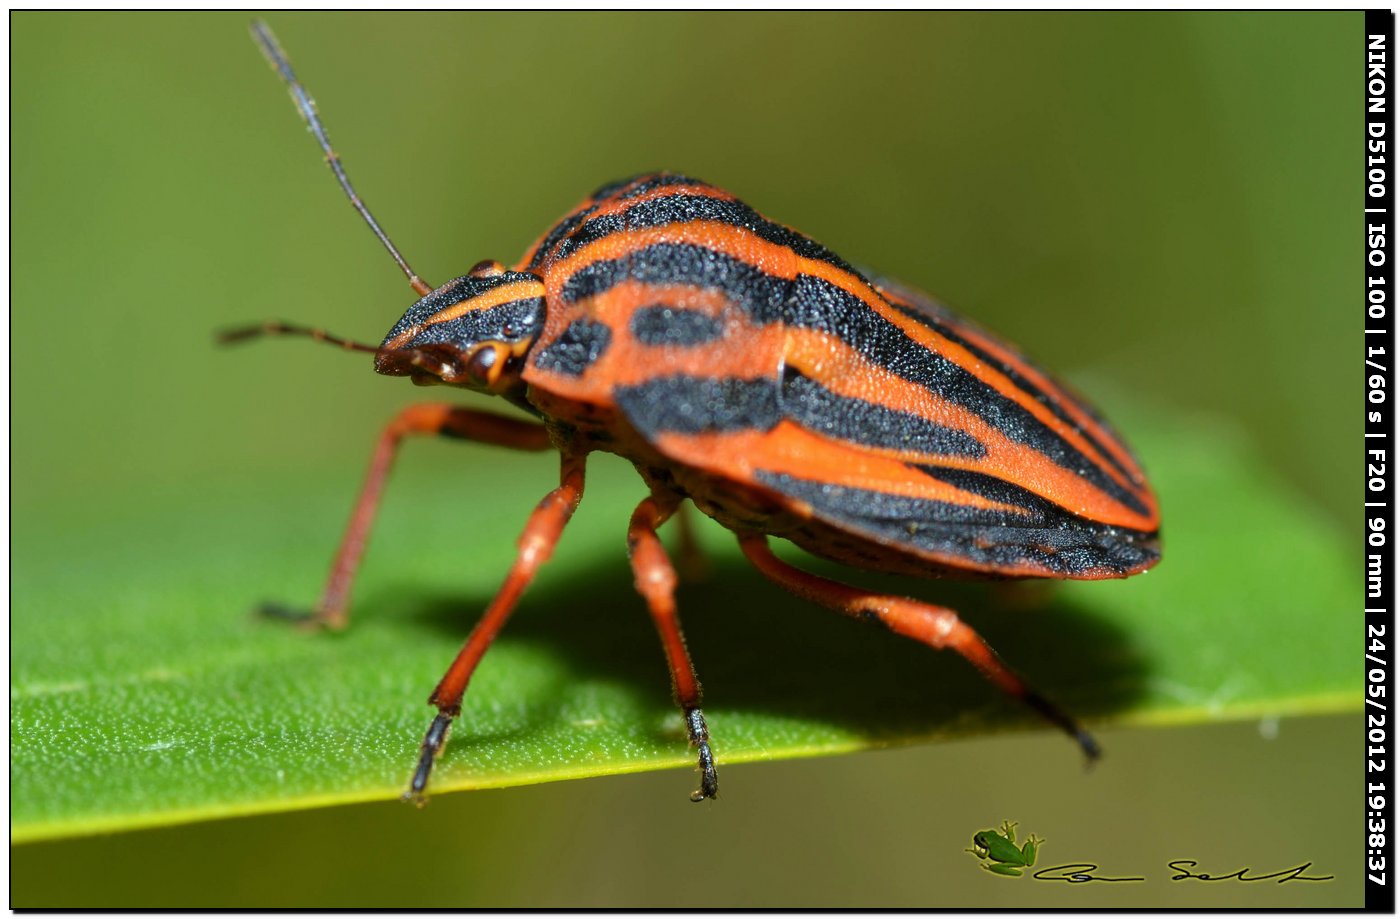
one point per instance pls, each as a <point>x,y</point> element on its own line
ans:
<point>1165,202</point>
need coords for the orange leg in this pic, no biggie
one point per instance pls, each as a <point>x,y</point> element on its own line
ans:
<point>694,566</point>
<point>656,582</point>
<point>935,626</point>
<point>536,544</point>
<point>424,418</point>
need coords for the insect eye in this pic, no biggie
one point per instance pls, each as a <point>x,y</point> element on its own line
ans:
<point>480,363</point>
<point>487,268</point>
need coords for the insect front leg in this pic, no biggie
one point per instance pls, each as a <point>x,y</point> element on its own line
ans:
<point>422,419</point>
<point>656,582</point>
<point>536,544</point>
<point>935,626</point>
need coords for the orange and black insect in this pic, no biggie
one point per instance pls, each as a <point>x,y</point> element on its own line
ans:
<point>740,365</point>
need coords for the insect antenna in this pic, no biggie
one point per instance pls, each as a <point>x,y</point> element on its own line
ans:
<point>435,359</point>
<point>267,43</point>
<point>248,333</point>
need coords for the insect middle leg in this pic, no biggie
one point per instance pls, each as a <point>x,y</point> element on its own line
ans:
<point>656,582</point>
<point>536,544</point>
<point>421,419</point>
<point>935,626</point>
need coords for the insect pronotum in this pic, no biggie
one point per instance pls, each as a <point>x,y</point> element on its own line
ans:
<point>743,367</point>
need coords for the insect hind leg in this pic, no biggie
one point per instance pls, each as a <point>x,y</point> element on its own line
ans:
<point>691,562</point>
<point>935,626</point>
<point>656,582</point>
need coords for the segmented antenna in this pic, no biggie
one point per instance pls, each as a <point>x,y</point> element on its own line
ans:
<point>274,327</point>
<point>267,43</point>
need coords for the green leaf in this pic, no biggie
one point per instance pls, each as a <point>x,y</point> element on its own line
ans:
<point>144,693</point>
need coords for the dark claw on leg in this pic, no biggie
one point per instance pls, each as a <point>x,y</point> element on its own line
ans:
<point>433,743</point>
<point>700,738</point>
<point>1089,746</point>
<point>1054,715</point>
<point>300,616</point>
<point>709,779</point>
<point>286,613</point>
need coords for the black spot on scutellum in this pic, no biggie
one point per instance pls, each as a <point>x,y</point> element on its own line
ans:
<point>674,326</point>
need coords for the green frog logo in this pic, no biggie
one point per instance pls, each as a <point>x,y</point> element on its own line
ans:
<point>997,849</point>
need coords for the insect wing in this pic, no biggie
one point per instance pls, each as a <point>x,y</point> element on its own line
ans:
<point>945,442</point>
<point>948,446</point>
<point>743,350</point>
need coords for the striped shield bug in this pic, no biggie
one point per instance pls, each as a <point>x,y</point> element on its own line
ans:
<point>741,366</point>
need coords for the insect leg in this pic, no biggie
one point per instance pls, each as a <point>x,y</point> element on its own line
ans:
<point>656,582</point>
<point>424,418</point>
<point>536,544</point>
<point>692,563</point>
<point>935,626</point>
